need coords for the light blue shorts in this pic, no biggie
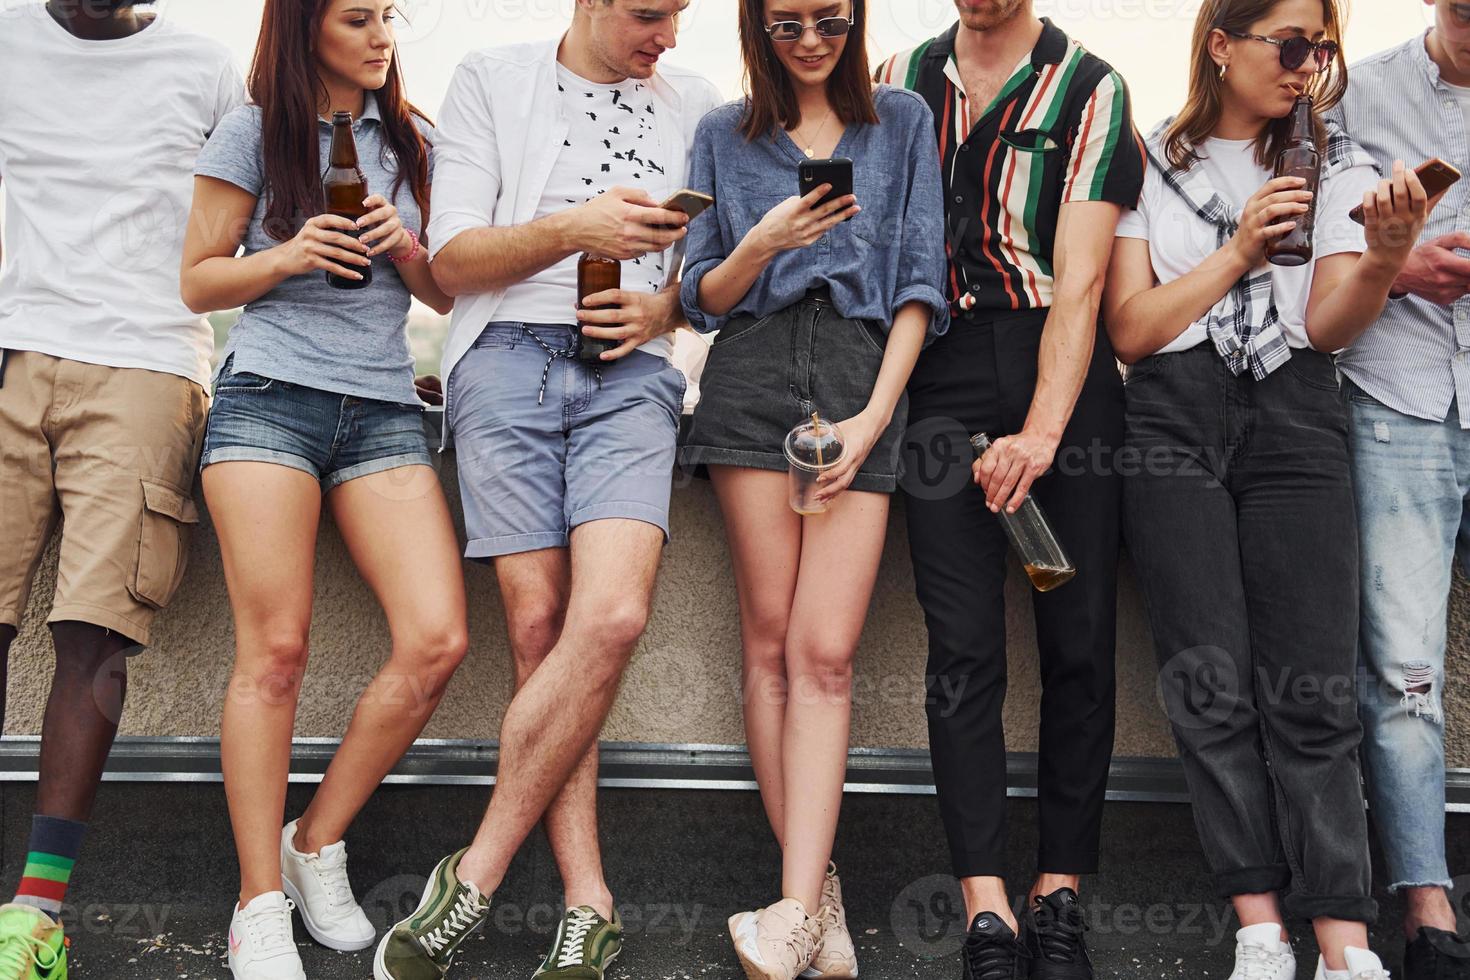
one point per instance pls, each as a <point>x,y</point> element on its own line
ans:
<point>546,443</point>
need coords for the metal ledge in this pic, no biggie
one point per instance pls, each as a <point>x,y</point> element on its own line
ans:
<point>625,765</point>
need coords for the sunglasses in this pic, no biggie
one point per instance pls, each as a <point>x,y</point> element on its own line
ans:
<point>1296,50</point>
<point>786,31</point>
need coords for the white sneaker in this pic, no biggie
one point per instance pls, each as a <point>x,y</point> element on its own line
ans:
<point>1361,965</point>
<point>261,945</point>
<point>319,886</point>
<point>1261,954</point>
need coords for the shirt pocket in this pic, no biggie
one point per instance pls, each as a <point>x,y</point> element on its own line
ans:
<point>883,197</point>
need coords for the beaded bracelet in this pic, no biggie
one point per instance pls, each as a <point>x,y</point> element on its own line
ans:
<point>411,255</point>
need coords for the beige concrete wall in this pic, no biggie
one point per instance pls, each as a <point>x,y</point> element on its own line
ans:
<point>683,685</point>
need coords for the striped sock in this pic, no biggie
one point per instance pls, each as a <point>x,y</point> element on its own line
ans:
<point>55,844</point>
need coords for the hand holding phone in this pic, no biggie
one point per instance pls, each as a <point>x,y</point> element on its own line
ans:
<point>814,173</point>
<point>1436,176</point>
<point>690,202</point>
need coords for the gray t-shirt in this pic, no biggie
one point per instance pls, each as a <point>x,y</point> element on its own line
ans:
<point>345,341</point>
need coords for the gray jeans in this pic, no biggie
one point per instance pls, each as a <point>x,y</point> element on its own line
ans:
<point>1239,515</point>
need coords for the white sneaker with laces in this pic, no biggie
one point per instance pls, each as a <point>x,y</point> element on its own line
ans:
<point>319,886</point>
<point>1261,954</point>
<point>1361,965</point>
<point>261,944</point>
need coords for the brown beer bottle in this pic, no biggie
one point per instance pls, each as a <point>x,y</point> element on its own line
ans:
<point>344,187</point>
<point>596,274</point>
<point>1299,158</point>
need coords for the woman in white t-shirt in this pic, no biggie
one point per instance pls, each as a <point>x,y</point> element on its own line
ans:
<point>1238,505</point>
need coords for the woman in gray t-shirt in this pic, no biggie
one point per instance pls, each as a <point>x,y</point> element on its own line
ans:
<point>314,399</point>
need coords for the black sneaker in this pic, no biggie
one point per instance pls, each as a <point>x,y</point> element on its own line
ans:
<point>1437,955</point>
<point>992,951</point>
<point>1055,933</point>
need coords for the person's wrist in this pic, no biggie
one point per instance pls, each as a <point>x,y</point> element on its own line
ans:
<point>407,252</point>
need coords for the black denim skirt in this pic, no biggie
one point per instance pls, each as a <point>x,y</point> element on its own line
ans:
<point>765,375</point>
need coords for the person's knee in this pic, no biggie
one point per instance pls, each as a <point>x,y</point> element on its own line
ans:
<point>438,652</point>
<point>820,667</point>
<point>617,625</point>
<point>534,628</point>
<point>764,635</point>
<point>275,659</point>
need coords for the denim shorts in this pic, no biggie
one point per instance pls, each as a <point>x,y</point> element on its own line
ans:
<point>546,443</point>
<point>335,438</point>
<point>766,375</point>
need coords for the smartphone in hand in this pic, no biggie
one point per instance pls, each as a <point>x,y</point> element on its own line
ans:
<point>1436,176</point>
<point>814,173</point>
<point>690,202</point>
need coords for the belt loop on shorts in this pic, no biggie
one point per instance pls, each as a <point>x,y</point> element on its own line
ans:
<point>569,352</point>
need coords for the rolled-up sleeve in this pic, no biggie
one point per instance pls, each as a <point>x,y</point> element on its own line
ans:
<point>705,242</point>
<point>923,263</point>
<point>466,161</point>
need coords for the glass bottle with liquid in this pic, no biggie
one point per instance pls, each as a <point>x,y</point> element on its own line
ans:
<point>1300,157</point>
<point>596,274</point>
<point>1031,536</point>
<point>345,187</point>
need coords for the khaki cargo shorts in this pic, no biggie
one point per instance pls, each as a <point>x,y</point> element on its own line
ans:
<point>111,454</point>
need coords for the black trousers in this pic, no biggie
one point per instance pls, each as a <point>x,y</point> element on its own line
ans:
<point>1241,522</point>
<point>981,377</point>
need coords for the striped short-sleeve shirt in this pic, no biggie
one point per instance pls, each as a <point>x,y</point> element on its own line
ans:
<point>1060,130</point>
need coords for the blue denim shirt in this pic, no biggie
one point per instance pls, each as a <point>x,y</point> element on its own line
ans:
<point>891,254</point>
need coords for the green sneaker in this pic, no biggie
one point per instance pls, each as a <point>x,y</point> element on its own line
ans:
<point>32,946</point>
<point>586,944</point>
<point>422,946</point>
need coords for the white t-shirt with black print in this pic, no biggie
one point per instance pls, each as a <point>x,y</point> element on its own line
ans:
<point>612,142</point>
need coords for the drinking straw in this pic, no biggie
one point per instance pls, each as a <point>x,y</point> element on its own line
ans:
<point>817,425</point>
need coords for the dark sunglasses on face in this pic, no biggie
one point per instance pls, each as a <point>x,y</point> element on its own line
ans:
<point>1296,50</point>
<point>787,31</point>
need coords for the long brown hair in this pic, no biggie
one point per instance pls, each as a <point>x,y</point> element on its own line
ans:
<point>286,85</point>
<point>1196,122</point>
<point>769,98</point>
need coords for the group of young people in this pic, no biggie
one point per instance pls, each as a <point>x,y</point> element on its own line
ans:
<point>1008,242</point>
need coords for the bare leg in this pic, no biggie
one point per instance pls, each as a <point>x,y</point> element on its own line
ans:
<point>82,715</point>
<point>1427,907</point>
<point>556,717</point>
<point>1046,883</point>
<point>266,517</point>
<point>1336,935</point>
<point>536,587</point>
<point>988,894</point>
<point>398,529</point>
<point>1255,910</point>
<point>765,547</point>
<point>840,552</point>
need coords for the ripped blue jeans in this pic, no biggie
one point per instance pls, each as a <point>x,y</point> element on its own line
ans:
<point>1412,480</point>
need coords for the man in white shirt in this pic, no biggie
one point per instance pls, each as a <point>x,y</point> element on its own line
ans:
<point>1407,381</point>
<point>103,109</point>
<point>547,151</point>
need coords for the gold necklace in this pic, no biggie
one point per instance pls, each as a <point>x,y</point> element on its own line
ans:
<point>810,148</point>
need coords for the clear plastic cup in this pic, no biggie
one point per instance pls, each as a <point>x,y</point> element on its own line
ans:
<point>812,448</point>
<point>1046,563</point>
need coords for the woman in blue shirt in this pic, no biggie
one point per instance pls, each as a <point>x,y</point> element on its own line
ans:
<point>314,400</point>
<point>819,308</point>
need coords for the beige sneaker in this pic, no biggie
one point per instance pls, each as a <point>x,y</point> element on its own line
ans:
<point>775,943</point>
<point>836,958</point>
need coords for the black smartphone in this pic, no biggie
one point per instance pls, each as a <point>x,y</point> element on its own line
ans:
<point>1436,176</point>
<point>815,173</point>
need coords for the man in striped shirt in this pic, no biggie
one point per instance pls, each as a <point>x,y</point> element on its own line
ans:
<point>1408,384</point>
<point>1040,157</point>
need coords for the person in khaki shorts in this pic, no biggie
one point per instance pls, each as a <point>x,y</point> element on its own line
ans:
<point>103,109</point>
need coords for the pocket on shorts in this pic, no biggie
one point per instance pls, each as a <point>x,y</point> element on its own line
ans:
<point>163,543</point>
